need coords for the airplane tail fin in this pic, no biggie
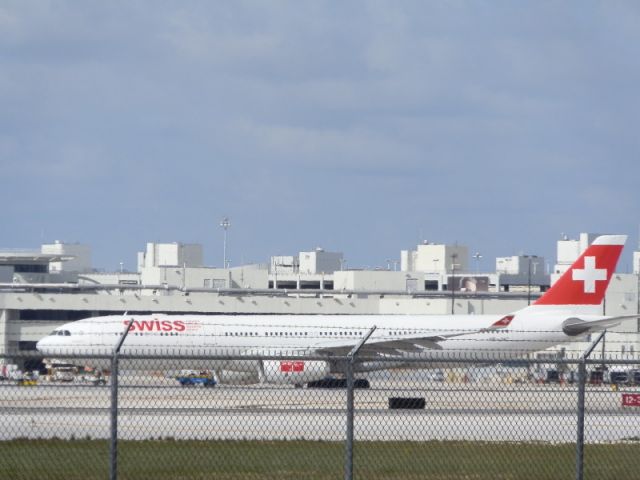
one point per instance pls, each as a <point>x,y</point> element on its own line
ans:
<point>586,281</point>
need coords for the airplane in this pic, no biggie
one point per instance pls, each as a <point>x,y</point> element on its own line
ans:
<point>570,309</point>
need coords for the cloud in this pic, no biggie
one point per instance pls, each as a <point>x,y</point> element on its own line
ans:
<point>465,120</point>
<point>330,148</point>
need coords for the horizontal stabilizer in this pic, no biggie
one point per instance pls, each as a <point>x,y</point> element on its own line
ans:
<point>576,326</point>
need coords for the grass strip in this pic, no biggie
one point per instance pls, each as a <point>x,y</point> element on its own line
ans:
<point>257,460</point>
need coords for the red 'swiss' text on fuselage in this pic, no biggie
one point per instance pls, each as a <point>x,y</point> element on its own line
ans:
<point>156,326</point>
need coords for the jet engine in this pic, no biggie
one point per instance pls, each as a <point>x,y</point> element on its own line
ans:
<point>278,372</point>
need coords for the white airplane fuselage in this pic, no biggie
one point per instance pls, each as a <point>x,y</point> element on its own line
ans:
<point>284,335</point>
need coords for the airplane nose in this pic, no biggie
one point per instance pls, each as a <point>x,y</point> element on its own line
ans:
<point>42,345</point>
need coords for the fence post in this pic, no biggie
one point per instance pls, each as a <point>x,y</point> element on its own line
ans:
<point>348,466</point>
<point>582,380</point>
<point>582,383</point>
<point>113,449</point>
<point>348,461</point>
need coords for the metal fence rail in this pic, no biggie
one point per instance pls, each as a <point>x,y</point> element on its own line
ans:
<point>491,418</point>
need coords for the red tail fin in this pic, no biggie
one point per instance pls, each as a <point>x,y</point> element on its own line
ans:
<point>586,282</point>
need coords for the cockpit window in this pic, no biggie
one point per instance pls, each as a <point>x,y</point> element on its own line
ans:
<point>65,333</point>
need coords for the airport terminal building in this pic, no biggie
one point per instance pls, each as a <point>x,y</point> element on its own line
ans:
<point>40,290</point>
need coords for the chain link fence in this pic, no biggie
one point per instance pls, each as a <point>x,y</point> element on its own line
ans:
<point>277,417</point>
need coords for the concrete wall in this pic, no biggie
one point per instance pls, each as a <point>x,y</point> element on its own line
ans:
<point>442,306</point>
<point>203,277</point>
<point>128,278</point>
<point>6,274</point>
<point>378,281</point>
<point>249,276</point>
<point>31,331</point>
<point>622,295</point>
<point>4,338</point>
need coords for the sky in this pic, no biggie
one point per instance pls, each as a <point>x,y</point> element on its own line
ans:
<point>364,126</point>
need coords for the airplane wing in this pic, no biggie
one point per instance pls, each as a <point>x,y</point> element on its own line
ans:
<point>386,346</point>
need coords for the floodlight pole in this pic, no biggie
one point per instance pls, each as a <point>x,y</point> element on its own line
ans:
<point>454,256</point>
<point>529,258</point>
<point>478,257</point>
<point>638,289</point>
<point>529,281</point>
<point>225,224</point>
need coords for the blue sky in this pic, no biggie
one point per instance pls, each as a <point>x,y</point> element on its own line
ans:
<point>360,126</point>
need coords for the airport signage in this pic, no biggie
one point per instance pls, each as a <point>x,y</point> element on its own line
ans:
<point>631,399</point>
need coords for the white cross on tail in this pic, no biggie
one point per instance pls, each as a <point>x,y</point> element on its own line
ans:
<point>589,274</point>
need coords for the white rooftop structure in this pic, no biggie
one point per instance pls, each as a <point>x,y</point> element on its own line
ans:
<point>570,249</point>
<point>320,261</point>
<point>521,265</point>
<point>432,257</point>
<point>171,255</point>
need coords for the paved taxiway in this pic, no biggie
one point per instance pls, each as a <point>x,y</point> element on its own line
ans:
<point>158,408</point>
